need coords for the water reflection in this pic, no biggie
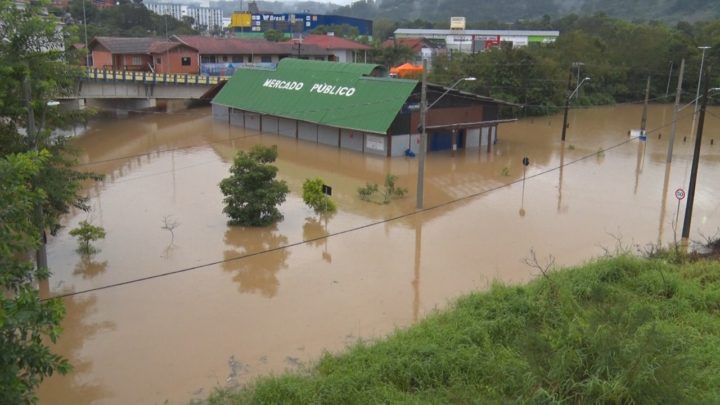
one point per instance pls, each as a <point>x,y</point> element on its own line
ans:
<point>257,274</point>
<point>315,232</point>
<point>79,386</point>
<point>89,268</point>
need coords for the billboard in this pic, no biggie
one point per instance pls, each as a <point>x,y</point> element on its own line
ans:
<point>457,23</point>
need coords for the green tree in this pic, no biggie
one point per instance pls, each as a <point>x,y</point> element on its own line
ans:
<point>25,321</point>
<point>37,186</point>
<point>274,35</point>
<point>87,233</point>
<point>314,197</point>
<point>251,192</point>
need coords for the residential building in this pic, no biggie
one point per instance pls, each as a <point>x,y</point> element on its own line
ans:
<point>221,56</point>
<point>343,50</point>
<point>143,55</point>
<point>422,48</point>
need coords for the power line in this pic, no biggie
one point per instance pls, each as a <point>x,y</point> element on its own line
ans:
<point>339,233</point>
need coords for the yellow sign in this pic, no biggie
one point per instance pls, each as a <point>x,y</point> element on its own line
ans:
<point>240,19</point>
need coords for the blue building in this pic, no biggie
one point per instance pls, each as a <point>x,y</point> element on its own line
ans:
<point>255,24</point>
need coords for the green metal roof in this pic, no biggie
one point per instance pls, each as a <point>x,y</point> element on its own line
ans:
<point>328,93</point>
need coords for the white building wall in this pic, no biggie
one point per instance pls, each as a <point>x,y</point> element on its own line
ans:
<point>204,17</point>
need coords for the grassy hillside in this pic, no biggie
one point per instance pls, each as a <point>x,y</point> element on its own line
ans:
<point>617,330</point>
<point>513,10</point>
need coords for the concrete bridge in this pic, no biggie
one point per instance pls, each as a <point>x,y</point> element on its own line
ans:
<point>139,90</point>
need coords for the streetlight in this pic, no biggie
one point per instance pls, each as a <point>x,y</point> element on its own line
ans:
<point>697,93</point>
<point>567,102</point>
<point>423,134</point>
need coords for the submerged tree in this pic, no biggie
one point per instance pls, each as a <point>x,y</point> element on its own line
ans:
<point>87,233</point>
<point>315,198</point>
<point>251,192</point>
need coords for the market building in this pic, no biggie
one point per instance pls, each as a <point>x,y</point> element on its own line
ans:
<point>356,107</point>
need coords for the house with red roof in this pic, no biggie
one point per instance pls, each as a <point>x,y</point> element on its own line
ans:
<point>143,55</point>
<point>223,55</point>
<point>423,48</point>
<point>343,50</point>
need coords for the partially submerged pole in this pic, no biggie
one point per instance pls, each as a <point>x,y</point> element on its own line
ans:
<point>675,111</point>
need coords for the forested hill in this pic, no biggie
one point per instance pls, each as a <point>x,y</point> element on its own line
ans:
<point>512,10</point>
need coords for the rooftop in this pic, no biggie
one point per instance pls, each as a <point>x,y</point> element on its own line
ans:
<point>332,42</point>
<point>244,46</point>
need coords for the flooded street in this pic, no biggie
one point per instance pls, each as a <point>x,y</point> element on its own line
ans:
<point>158,316</point>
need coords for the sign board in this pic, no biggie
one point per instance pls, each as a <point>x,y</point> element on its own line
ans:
<point>680,194</point>
<point>327,190</point>
<point>375,143</point>
<point>526,161</point>
<point>457,23</point>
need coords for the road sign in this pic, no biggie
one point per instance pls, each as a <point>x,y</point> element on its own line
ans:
<point>679,194</point>
<point>327,190</point>
<point>526,161</point>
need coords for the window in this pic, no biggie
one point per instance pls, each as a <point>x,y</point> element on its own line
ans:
<point>225,59</point>
<point>208,59</point>
<point>237,59</point>
<point>265,59</point>
<point>158,61</point>
<point>136,60</point>
<point>185,61</point>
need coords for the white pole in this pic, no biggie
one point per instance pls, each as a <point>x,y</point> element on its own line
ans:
<point>697,94</point>
<point>423,138</point>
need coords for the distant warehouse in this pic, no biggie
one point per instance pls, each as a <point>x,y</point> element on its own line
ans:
<point>354,106</point>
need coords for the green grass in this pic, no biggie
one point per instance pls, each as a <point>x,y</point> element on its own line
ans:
<point>617,330</point>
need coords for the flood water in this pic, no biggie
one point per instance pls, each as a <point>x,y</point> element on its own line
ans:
<point>154,317</point>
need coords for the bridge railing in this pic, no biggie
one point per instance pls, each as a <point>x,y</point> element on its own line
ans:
<point>152,77</point>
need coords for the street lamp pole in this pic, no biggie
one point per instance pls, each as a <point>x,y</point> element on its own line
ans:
<point>423,132</point>
<point>697,93</point>
<point>567,102</point>
<point>423,139</point>
<point>695,162</point>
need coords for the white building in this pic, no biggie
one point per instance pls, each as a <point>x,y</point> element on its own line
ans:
<point>470,41</point>
<point>205,18</point>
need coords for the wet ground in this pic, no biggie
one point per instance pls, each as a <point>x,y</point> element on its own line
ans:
<point>159,315</point>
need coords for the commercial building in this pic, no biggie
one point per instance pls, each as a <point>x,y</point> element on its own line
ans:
<point>255,24</point>
<point>354,106</point>
<point>473,41</point>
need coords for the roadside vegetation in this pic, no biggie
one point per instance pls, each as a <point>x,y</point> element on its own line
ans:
<point>621,329</point>
<point>37,186</point>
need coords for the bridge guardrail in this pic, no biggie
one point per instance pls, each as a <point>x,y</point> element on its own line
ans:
<point>152,77</point>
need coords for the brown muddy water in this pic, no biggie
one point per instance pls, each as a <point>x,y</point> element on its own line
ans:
<point>152,318</point>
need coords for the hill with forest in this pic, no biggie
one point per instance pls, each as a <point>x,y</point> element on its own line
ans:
<point>513,10</point>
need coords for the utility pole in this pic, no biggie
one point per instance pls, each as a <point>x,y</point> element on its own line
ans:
<point>423,138</point>
<point>643,121</point>
<point>41,252</point>
<point>567,102</point>
<point>695,161</point>
<point>667,89</point>
<point>675,111</point>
